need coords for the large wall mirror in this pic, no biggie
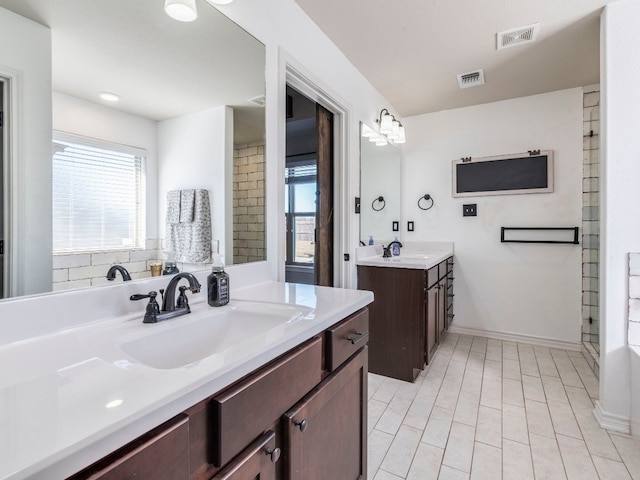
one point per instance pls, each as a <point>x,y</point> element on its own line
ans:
<point>191,97</point>
<point>379,190</point>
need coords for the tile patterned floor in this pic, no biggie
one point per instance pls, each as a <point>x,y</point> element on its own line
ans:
<point>491,409</point>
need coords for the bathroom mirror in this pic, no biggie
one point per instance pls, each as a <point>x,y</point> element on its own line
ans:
<point>379,177</point>
<point>162,69</point>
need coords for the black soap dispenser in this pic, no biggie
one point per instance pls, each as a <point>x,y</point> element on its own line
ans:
<point>218,284</point>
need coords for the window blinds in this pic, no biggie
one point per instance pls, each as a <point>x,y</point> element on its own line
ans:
<point>98,195</point>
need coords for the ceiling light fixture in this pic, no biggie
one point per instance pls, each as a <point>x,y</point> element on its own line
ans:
<point>181,10</point>
<point>390,127</point>
<point>109,96</point>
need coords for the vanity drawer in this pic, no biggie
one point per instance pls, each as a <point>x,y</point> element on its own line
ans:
<point>346,338</point>
<point>432,276</point>
<point>248,408</point>
<point>161,454</point>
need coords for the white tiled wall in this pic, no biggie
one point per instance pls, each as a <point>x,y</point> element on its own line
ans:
<point>634,299</point>
<point>89,269</point>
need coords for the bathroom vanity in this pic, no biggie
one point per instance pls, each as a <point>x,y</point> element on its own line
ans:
<point>281,392</point>
<point>413,307</point>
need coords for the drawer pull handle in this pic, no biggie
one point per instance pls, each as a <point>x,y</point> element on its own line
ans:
<point>273,453</point>
<point>302,425</point>
<point>357,337</point>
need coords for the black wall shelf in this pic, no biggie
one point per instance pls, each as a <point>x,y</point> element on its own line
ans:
<point>504,234</point>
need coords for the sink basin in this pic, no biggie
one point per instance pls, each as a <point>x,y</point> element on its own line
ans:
<point>190,338</point>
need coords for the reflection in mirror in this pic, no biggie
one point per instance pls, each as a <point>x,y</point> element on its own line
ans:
<point>191,98</point>
<point>379,177</point>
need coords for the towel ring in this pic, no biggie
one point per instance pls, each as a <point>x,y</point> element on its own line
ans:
<point>427,197</point>
<point>378,199</point>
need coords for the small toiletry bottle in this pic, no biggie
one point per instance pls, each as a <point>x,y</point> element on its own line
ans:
<point>395,249</point>
<point>370,239</point>
<point>218,284</point>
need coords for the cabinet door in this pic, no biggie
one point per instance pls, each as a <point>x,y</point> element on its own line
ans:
<point>431,316</point>
<point>326,433</point>
<point>257,462</point>
<point>442,308</point>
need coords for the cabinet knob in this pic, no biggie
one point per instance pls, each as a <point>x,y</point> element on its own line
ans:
<point>273,453</point>
<point>302,425</point>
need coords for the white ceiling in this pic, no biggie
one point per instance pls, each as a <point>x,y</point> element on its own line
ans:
<point>412,50</point>
<point>161,68</point>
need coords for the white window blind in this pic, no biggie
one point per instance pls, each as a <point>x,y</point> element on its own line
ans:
<point>98,195</point>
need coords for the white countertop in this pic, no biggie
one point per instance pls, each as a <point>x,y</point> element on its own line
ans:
<point>417,255</point>
<point>55,388</point>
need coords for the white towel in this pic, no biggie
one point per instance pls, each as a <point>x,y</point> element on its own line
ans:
<point>191,242</point>
<point>173,206</point>
<point>187,205</point>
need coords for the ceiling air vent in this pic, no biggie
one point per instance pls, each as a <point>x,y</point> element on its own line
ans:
<point>471,79</point>
<point>517,36</point>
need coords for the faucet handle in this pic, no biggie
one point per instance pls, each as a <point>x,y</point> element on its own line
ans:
<point>152,310</point>
<point>182,301</point>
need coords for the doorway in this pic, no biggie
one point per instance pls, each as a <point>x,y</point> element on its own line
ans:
<point>309,191</point>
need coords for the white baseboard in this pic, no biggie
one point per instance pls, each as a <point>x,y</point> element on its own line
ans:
<point>616,423</point>
<point>512,337</point>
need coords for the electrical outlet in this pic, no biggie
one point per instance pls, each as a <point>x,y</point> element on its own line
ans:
<point>395,226</point>
<point>469,210</point>
<point>410,226</point>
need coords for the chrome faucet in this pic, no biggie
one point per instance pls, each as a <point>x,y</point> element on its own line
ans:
<point>111,274</point>
<point>387,250</point>
<point>171,307</point>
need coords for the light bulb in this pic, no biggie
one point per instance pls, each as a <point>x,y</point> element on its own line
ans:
<point>386,124</point>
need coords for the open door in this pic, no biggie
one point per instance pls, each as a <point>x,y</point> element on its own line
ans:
<point>324,198</point>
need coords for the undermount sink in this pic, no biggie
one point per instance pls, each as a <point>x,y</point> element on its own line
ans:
<point>188,339</point>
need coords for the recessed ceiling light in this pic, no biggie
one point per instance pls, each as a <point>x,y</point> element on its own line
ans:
<point>109,96</point>
<point>114,403</point>
<point>181,10</point>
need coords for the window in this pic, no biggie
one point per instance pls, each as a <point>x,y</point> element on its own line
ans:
<point>98,195</point>
<point>300,210</point>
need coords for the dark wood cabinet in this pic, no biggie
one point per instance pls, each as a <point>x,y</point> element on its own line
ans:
<point>410,315</point>
<point>308,406</point>
<point>396,320</point>
<point>325,433</point>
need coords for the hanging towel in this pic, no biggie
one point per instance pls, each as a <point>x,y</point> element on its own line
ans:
<point>173,206</point>
<point>187,204</point>
<point>191,241</point>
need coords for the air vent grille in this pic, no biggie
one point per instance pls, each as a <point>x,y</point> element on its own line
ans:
<point>471,79</point>
<point>517,36</point>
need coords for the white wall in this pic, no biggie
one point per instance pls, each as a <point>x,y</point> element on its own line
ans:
<point>291,37</point>
<point>620,182</point>
<point>196,151</point>
<point>73,115</point>
<point>530,290</point>
<point>27,56</point>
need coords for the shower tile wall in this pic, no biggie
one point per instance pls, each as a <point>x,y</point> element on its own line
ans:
<point>248,203</point>
<point>590,215</point>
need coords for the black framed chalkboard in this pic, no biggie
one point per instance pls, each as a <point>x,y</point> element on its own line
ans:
<point>504,174</point>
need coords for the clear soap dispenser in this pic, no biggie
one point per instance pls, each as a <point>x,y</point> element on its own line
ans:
<point>218,284</point>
